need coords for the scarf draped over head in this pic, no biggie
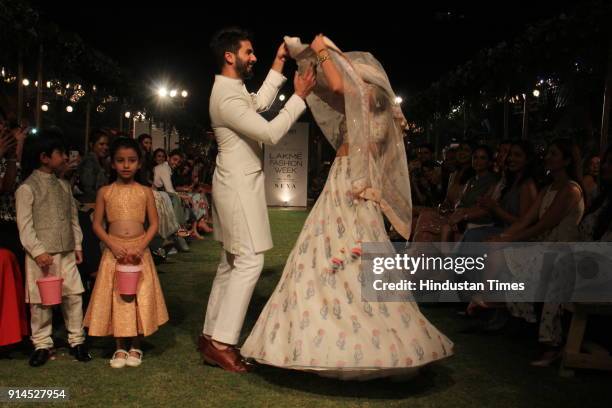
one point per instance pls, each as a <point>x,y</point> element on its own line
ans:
<point>367,118</point>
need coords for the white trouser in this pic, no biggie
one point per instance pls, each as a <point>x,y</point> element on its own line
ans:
<point>230,295</point>
<point>42,318</point>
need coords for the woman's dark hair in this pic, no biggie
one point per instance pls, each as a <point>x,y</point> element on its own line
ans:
<point>528,173</point>
<point>96,135</point>
<point>379,99</point>
<point>45,141</point>
<point>490,155</point>
<point>486,149</point>
<point>160,150</point>
<point>587,163</point>
<point>604,219</point>
<point>468,172</point>
<point>227,39</point>
<point>469,144</point>
<point>566,147</point>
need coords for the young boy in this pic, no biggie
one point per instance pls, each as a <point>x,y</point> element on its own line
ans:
<point>50,233</point>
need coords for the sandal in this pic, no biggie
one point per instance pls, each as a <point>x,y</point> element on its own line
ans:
<point>119,362</point>
<point>133,361</point>
<point>183,233</point>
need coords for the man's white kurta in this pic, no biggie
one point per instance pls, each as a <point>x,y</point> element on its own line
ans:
<point>240,213</point>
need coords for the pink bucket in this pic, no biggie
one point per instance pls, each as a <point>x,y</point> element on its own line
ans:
<point>50,289</point>
<point>127,278</point>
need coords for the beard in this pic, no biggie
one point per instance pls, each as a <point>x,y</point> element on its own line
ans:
<point>244,69</point>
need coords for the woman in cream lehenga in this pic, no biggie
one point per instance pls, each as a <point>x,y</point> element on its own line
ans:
<point>315,319</point>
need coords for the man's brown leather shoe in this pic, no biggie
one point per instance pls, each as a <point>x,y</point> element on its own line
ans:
<point>228,359</point>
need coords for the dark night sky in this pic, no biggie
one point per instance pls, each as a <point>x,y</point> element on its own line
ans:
<point>416,45</point>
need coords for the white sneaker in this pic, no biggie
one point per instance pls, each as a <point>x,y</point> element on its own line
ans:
<point>134,361</point>
<point>119,362</point>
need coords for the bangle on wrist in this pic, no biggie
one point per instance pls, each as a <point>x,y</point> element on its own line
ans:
<point>321,60</point>
<point>322,55</point>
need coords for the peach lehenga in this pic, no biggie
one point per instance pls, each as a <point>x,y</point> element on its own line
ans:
<point>109,313</point>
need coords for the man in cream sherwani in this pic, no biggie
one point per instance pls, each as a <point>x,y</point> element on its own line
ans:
<point>240,212</point>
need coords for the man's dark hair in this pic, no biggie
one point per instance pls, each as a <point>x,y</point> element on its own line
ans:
<point>177,152</point>
<point>227,39</point>
<point>143,137</point>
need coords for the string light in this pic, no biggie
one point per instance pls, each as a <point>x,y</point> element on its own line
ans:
<point>26,82</point>
<point>184,94</point>
<point>69,109</point>
<point>78,94</point>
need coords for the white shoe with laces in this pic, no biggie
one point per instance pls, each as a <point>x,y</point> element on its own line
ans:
<point>119,361</point>
<point>134,361</point>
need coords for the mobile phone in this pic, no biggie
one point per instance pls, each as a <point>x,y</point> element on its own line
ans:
<point>73,155</point>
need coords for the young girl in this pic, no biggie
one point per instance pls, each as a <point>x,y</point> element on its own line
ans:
<point>125,204</point>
